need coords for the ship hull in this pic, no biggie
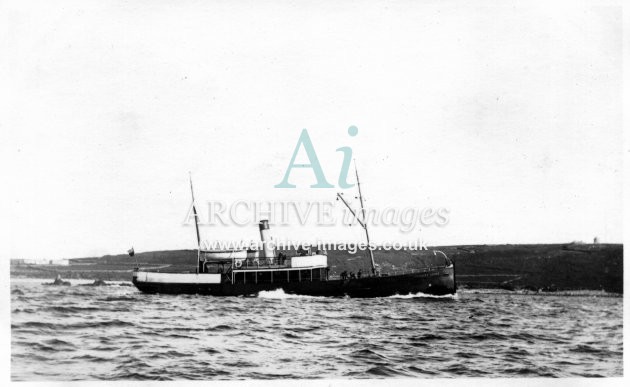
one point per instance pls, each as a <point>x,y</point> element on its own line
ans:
<point>440,281</point>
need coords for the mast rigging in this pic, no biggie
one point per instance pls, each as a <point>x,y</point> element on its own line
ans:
<point>362,221</point>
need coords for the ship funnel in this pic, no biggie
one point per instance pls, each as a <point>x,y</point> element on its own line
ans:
<point>268,251</point>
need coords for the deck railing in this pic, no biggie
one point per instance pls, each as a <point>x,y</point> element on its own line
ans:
<point>395,272</point>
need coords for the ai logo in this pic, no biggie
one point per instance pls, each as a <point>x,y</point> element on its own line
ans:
<point>305,142</point>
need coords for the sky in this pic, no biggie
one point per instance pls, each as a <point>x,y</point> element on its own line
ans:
<point>508,115</point>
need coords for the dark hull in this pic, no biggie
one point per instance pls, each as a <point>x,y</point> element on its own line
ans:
<point>440,281</point>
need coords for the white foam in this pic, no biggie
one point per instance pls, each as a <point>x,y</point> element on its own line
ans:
<point>423,295</point>
<point>73,281</point>
<point>280,294</point>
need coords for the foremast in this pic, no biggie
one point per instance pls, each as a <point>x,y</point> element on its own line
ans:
<point>363,220</point>
<point>192,194</point>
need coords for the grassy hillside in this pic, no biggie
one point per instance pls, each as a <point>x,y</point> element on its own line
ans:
<point>549,267</point>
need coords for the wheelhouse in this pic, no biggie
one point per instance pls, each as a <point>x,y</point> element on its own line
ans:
<point>307,266</point>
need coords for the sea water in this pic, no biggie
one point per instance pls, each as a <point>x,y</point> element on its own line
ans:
<point>118,333</point>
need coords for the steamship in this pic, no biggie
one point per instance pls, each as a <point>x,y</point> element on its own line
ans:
<point>247,272</point>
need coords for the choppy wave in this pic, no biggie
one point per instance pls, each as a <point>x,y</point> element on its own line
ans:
<point>118,333</point>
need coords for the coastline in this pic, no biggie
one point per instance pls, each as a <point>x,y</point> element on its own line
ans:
<point>532,268</point>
